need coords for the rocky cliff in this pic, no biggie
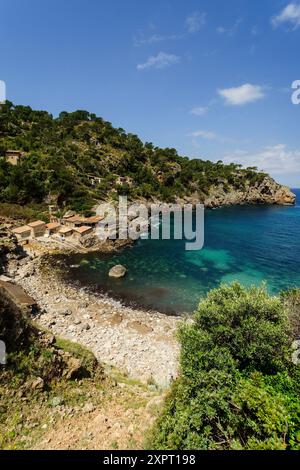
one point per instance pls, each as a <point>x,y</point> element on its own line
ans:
<point>265,192</point>
<point>8,246</point>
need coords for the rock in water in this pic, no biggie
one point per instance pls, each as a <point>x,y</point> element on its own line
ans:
<point>117,271</point>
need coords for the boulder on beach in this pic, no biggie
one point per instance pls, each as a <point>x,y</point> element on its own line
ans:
<point>117,271</point>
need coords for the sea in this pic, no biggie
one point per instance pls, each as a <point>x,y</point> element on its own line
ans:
<point>250,244</point>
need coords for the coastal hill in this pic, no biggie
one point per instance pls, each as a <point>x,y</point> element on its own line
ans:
<point>77,159</point>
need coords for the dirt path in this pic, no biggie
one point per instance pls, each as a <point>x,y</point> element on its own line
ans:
<point>121,420</point>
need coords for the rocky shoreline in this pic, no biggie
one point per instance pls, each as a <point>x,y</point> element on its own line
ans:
<point>139,343</point>
<point>267,191</point>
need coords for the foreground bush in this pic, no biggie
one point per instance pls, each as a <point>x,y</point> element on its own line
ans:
<point>238,388</point>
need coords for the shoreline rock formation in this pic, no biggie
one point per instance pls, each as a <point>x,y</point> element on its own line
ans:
<point>267,192</point>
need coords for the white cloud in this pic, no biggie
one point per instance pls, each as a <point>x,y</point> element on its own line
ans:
<point>199,111</point>
<point>290,15</point>
<point>276,159</point>
<point>155,38</point>
<point>241,95</point>
<point>221,30</point>
<point>160,61</point>
<point>230,31</point>
<point>205,135</point>
<point>195,22</point>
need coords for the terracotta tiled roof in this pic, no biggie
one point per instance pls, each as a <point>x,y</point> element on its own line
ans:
<point>95,219</point>
<point>74,218</point>
<point>23,229</point>
<point>36,223</point>
<point>14,152</point>
<point>65,230</point>
<point>53,225</point>
<point>82,229</point>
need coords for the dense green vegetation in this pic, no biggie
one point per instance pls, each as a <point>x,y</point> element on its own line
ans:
<point>61,152</point>
<point>238,388</point>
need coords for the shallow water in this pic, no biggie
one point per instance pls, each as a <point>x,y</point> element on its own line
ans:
<point>250,244</point>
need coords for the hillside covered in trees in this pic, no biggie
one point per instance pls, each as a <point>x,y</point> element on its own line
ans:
<point>62,156</point>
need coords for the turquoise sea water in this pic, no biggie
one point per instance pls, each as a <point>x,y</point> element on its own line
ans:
<point>250,244</point>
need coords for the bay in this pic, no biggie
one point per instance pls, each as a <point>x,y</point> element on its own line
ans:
<point>250,244</point>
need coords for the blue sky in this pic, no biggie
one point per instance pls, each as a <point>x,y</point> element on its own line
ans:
<point>210,78</point>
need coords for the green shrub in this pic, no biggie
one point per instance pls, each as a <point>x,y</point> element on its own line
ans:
<point>237,388</point>
<point>27,213</point>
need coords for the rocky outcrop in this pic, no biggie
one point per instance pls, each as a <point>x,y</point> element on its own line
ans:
<point>9,248</point>
<point>20,335</point>
<point>284,196</point>
<point>266,191</point>
<point>8,242</point>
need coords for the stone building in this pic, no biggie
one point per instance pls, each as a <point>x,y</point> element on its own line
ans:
<point>74,221</point>
<point>23,233</point>
<point>65,232</point>
<point>52,228</point>
<point>13,156</point>
<point>81,232</point>
<point>92,221</point>
<point>38,228</point>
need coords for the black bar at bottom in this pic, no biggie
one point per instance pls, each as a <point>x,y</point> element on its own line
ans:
<point>137,459</point>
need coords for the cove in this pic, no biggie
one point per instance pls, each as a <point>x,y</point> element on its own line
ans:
<point>250,244</point>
